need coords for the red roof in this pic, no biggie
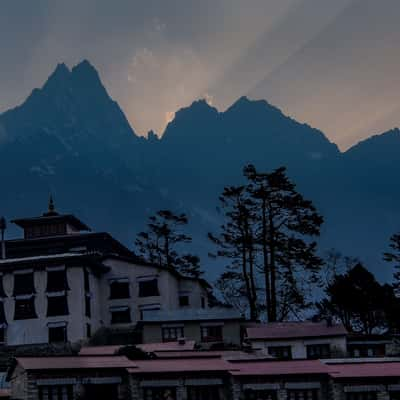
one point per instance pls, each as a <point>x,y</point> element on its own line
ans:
<point>291,330</point>
<point>167,346</point>
<point>364,370</point>
<point>74,362</point>
<point>271,368</point>
<point>99,350</point>
<point>5,393</point>
<point>180,365</point>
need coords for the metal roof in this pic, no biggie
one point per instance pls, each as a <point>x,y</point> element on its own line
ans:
<point>293,330</point>
<point>202,314</point>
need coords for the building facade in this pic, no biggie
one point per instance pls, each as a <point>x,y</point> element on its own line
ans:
<point>62,283</point>
<point>202,378</point>
<point>299,340</point>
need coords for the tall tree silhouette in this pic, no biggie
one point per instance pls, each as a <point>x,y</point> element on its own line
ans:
<point>285,222</point>
<point>236,242</point>
<point>160,242</point>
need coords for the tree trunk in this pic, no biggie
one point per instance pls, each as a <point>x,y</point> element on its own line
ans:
<point>265,259</point>
<point>273,315</point>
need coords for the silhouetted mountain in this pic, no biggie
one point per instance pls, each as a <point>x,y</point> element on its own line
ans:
<point>72,139</point>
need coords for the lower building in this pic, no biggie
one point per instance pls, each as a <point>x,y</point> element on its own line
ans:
<point>207,327</point>
<point>204,377</point>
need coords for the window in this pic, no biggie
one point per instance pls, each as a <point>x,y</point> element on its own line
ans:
<point>250,394</point>
<point>184,301</point>
<point>203,302</point>
<point>361,396</point>
<point>367,350</point>
<point>211,333</point>
<point>57,305</point>
<point>56,392</point>
<point>172,333</point>
<point>281,352</point>
<point>86,283</point>
<point>120,315</point>
<point>25,308</point>
<point>57,281</point>
<point>58,334</point>
<point>2,292</point>
<point>316,351</point>
<point>3,320</point>
<point>302,394</point>
<point>148,288</point>
<point>23,284</point>
<point>88,309</point>
<point>159,393</point>
<point>2,335</point>
<point>88,331</point>
<point>203,393</point>
<point>119,289</point>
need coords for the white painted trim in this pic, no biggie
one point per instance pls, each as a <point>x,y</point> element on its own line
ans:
<point>159,383</point>
<point>203,382</point>
<point>56,268</point>
<point>364,388</point>
<point>102,380</point>
<point>261,386</point>
<point>59,381</point>
<point>303,385</point>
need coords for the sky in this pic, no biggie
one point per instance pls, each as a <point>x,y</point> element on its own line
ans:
<point>332,64</point>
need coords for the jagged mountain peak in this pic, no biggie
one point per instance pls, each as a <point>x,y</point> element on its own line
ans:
<point>378,147</point>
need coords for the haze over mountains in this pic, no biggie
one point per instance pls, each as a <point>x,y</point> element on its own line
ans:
<point>71,139</point>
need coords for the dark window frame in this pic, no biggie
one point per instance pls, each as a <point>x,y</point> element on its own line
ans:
<point>148,288</point>
<point>57,281</point>
<point>58,331</point>
<point>172,333</point>
<point>317,351</point>
<point>211,333</point>
<point>279,352</point>
<point>121,316</point>
<point>88,305</point>
<point>56,392</point>
<point>25,309</point>
<point>24,286</point>
<point>184,300</point>
<point>302,394</point>
<point>57,306</point>
<point>119,290</point>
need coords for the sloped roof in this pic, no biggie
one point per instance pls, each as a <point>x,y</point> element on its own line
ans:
<point>271,368</point>
<point>365,370</point>
<point>74,362</point>
<point>202,314</point>
<point>180,366</point>
<point>293,330</point>
<point>99,350</point>
<point>167,346</point>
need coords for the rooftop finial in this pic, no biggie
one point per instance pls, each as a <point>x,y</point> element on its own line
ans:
<point>51,204</point>
<point>51,208</point>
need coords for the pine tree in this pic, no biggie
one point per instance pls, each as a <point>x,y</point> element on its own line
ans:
<point>235,242</point>
<point>286,221</point>
<point>161,243</point>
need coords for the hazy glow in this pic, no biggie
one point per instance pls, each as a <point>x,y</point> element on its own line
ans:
<point>333,64</point>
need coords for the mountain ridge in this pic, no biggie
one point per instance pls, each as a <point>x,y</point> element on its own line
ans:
<point>72,139</point>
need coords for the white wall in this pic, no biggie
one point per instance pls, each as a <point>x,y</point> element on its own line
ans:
<point>299,346</point>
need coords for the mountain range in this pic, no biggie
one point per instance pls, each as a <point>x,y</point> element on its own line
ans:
<point>69,138</point>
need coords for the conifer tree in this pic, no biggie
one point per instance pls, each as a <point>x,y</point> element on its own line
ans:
<point>286,221</point>
<point>236,242</point>
<point>161,243</point>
